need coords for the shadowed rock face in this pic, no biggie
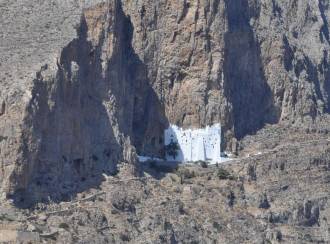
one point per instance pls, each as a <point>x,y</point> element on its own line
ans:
<point>83,115</point>
<point>69,135</point>
<point>246,85</point>
<point>81,84</point>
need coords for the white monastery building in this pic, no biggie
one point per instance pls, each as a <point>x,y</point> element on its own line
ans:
<point>195,144</point>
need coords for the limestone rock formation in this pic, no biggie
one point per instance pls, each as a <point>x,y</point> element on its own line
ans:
<point>243,63</point>
<point>71,117</point>
<point>85,83</point>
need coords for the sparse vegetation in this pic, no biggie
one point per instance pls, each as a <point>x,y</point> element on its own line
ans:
<point>125,237</point>
<point>64,226</point>
<point>172,149</point>
<point>115,172</point>
<point>185,173</point>
<point>162,168</point>
<point>217,226</point>
<point>181,207</point>
<point>224,174</point>
<point>252,172</point>
<point>231,199</point>
<point>5,217</point>
<point>203,164</point>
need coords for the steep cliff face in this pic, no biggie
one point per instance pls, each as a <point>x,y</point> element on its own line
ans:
<point>82,82</point>
<point>81,111</point>
<point>243,63</point>
<point>75,128</point>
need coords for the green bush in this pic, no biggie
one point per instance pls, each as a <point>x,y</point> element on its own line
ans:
<point>203,164</point>
<point>186,173</point>
<point>172,149</point>
<point>64,226</point>
<point>224,174</point>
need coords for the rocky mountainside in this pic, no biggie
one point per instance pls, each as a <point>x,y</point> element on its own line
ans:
<point>278,196</point>
<point>87,84</point>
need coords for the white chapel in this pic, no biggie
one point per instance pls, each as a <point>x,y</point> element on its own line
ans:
<point>195,144</point>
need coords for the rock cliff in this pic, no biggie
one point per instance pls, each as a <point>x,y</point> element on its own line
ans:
<point>85,83</point>
<point>72,119</point>
<point>243,63</point>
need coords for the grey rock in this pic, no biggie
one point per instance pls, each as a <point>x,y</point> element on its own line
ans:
<point>85,85</point>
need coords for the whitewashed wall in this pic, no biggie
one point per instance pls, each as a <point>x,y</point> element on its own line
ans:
<point>195,144</point>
